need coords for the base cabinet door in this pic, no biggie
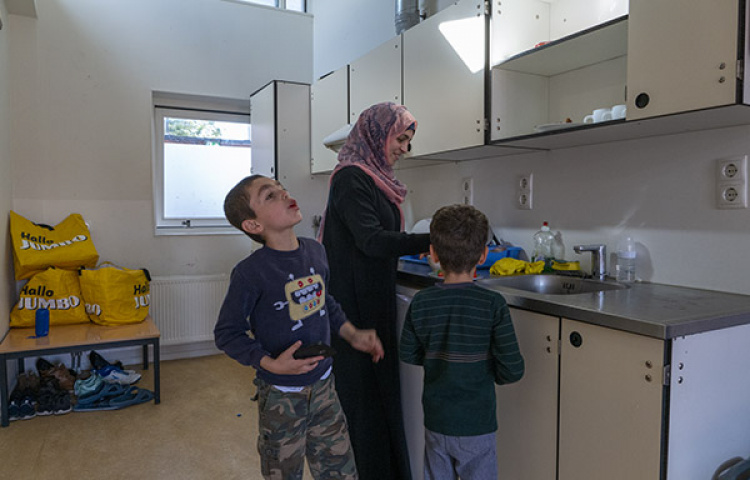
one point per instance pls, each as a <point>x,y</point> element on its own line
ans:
<point>527,409</point>
<point>611,392</point>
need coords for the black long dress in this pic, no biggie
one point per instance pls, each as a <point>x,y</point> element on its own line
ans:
<point>363,241</point>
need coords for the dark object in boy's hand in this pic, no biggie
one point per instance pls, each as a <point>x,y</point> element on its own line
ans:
<point>314,350</point>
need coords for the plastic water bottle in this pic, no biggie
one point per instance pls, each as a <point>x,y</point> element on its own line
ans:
<point>544,242</point>
<point>626,261</point>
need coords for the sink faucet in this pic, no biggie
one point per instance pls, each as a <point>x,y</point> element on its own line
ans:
<point>598,259</point>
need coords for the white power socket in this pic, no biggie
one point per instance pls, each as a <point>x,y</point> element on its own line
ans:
<point>467,191</point>
<point>731,182</point>
<point>525,192</point>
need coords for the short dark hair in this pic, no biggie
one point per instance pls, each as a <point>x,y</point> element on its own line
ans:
<point>237,206</point>
<point>458,234</point>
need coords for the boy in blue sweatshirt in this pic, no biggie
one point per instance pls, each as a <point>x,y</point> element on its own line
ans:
<point>276,304</point>
<point>463,336</point>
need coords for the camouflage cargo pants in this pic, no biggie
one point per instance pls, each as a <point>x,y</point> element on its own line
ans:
<point>308,424</point>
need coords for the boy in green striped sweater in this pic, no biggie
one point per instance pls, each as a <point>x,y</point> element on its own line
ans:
<point>463,336</point>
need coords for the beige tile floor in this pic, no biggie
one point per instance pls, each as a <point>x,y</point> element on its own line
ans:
<point>204,428</point>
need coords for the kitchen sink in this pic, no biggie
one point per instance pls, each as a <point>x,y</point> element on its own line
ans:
<point>551,284</point>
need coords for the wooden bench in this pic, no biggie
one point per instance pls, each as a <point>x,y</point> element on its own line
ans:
<point>19,344</point>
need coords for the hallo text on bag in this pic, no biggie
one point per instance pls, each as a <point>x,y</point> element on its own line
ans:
<point>41,243</point>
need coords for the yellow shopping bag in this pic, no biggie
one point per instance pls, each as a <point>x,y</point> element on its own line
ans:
<point>116,295</point>
<point>56,290</point>
<point>37,247</point>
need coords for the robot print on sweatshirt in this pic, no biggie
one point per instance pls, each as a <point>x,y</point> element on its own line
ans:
<point>304,296</point>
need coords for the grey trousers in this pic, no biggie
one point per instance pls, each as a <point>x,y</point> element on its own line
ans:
<point>470,458</point>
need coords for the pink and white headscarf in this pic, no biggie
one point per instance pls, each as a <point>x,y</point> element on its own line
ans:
<point>366,148</point>
<point>367,143</point>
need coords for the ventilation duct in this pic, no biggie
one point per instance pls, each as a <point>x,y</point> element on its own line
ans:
<point>407,14</point>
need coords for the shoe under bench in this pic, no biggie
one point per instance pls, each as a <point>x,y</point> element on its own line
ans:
<point>20,343</point>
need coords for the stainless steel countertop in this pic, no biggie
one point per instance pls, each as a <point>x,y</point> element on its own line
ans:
<point>651,309</point>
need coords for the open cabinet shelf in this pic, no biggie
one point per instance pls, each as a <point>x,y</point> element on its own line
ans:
<point>594,45</point>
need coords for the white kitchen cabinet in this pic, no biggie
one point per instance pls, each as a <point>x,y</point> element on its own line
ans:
<point>527,409</point>
<point>412,380</point>
<point>611,393</point>
<point>329,105</point>
<point>709,410</point>
<point>610,413</point>
<point>671,62</point>
<point>682,56</point>
<point>375,78</point>
<point>443,75</point>
<point>581,67</point>
<point>598,402</point>
<point>551,63</point>
<point>280,116</point>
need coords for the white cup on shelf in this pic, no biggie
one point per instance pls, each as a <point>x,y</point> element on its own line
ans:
<point>619,111</point>
<point>598,115</point>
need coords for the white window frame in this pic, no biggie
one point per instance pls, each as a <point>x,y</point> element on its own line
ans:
<point>280,5</point>
<point>191,107</point>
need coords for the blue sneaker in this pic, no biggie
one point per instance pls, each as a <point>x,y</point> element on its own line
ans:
<point>112,374</point>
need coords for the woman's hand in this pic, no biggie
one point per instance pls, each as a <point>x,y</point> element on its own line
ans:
<point>363,340</point>
<point>286,364</point>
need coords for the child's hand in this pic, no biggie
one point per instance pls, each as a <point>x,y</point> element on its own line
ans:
<point>363,340</point>
<point>286,364</point>
<point>367,341</point>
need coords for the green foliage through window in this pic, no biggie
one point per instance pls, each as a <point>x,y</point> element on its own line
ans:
<point>182,127</point>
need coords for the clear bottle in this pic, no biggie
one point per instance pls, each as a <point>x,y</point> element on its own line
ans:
<point>558,248</point>
<point>544,242</point>
<point>626,261</point>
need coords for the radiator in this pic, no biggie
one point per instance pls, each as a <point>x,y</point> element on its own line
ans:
<point>185,308</point>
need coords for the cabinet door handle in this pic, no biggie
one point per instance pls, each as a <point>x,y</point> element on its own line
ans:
<point>642,100</point>
<point>576,339</point>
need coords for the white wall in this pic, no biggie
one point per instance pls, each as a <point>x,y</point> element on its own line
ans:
<point>347,29</point>
<point>660,190</point>
<point>81,79</point>
<point>6,177</point>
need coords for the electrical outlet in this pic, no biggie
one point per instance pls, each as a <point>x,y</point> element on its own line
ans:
<point>525,193</point>
<point>731,195</point>
<point>732,169</point>
<point>731,182</point>
<point>467,191</point>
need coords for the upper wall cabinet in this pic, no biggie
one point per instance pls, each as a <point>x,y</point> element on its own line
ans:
<point>443,72</point>
<point>668,64</point>
<point>375,78</point>
<point>555,63</point>
<point>280,116</point>
<point>329,103</point>
<point>547,74</point>
<point>682,56</point>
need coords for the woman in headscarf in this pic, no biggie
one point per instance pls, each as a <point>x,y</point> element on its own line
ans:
<point>363,237</point>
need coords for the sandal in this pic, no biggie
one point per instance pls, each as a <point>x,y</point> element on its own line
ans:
<point>133,396</point>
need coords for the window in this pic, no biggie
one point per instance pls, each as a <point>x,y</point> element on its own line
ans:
<point>199,155</point>
<point>294,5</point>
